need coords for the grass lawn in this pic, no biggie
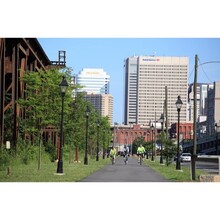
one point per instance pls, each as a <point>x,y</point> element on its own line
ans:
<point>72,171</point>
<point>170,172</point>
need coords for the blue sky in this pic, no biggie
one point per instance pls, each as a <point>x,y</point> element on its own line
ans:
<point>110,53</point>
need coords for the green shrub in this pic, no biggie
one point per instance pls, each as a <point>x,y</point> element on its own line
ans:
<point>51,150</point>
<point>4,159</point>
<point>27,153</point>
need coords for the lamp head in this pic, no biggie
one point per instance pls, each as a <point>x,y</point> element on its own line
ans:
<point>162,118</point>
<point>63,86</point>
<point>87,111</point>
<point>179,103</point>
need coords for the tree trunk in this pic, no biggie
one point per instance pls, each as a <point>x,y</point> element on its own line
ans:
<point>77,154</point>
<point>39,152</point>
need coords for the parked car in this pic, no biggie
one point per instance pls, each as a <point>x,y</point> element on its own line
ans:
<point>185,157</point>
<point>202,155</point>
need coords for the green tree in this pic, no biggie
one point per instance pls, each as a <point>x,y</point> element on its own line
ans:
<point>41,103</point>
<point>169,148</point>
<point>105,134</point>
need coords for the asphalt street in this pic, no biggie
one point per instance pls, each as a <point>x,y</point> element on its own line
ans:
<point>119,172</point>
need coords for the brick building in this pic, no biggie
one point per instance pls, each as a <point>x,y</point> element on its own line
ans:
<point>186,130</point>
<point>126,134</point>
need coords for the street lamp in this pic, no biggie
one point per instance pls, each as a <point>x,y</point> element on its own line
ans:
<point>152,153</point>
<point>103,139</point>
<point>216,142</point>
<point>63,86</point>
<point>178,106</point>
<point>147,147</point>
<point>86,149</point>
<point>161,150</point>
<point>97,150</point>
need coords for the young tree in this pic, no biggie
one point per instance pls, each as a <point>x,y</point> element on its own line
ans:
<point>41,102</point>
<point>169,148</point>
<point>105,127</point>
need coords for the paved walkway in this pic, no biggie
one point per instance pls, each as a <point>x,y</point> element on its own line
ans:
<point>119,172</point>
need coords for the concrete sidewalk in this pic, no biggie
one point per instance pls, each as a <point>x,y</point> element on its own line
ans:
<point>119,172</point>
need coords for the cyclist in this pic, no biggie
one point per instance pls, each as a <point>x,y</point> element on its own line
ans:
<point>140,152</point>
<point>112,154</point>
<point>125,153</point>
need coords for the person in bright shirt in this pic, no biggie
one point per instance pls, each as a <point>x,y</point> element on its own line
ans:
<point>113,154</point>
<point>141,152</point>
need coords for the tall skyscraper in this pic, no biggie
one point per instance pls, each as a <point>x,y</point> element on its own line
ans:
<point>95,85</point>
<point>94,81</point>
<point>145,81</point>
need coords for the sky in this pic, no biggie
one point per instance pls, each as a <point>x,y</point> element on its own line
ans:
<point>110,53</point>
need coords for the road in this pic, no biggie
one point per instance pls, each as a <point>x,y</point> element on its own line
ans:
<point>211,168</point>
<point>119,172</point>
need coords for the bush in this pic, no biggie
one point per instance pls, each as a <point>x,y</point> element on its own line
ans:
<point>4,159</point>
<point>27,153</point>
<point>51,150</point>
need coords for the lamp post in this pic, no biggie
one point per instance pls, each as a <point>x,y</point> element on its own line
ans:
<point>86,149</point>
<point>216,142</point>
<point>103,139</point>
<point>63,85</point>
<point>178,106</point>
<point>97,150</point>
<point>161,150</point>
<point>152,153</point>
<point>147,146</point>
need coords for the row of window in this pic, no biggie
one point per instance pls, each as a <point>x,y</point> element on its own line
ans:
<point>163,71</point>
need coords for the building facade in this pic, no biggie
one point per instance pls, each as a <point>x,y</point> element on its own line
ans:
<point>126,134</point>
<point>213,113</point>
<point>103,103</point>
<point>201,100</point>
<point>94,81</point>
<point>145,81</point>
<point>186,131</point>
<point>18,56</point>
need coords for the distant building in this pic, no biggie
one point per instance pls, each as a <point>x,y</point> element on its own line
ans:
<point>213,113</point>
<point>145,81</point>
<point>95,85</point>
<point>201,96</point>
<point>186,130</point>
<point>103,103</point>
<point>93,81</point>
<point>126,134</point>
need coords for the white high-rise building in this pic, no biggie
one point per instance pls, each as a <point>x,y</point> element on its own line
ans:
<point>94,81</point>
<point>145,81</point>
<point>95,85</point>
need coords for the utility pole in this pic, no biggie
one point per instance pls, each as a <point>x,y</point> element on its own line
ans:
<point>166,110</point>
<point>155,135</point>
<point>193,161</point>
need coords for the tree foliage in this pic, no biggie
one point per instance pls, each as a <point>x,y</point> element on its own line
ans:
<point>41,106</point>
<point>169,148</point>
